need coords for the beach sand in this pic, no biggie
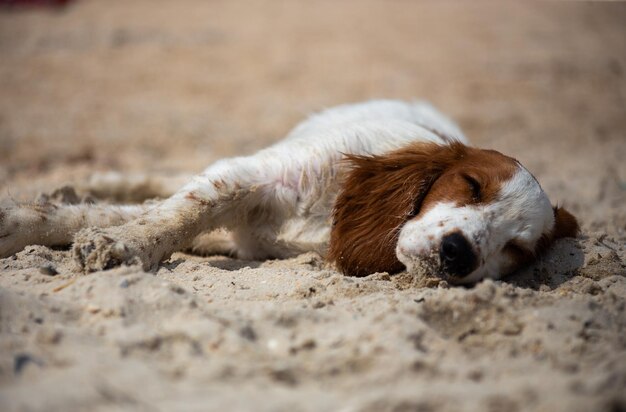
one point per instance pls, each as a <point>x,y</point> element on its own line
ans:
<point>169,87</point>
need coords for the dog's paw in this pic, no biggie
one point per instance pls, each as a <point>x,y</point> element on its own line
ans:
<point>21,226</point>
<point>8,233</point>
<point>102,249</point>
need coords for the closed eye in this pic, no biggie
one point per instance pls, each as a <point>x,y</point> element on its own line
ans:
<point>417,204</point>
<point>474,187</point>
<point>415,210</point>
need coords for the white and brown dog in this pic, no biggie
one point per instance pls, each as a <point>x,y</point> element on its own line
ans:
<point>376,186</point>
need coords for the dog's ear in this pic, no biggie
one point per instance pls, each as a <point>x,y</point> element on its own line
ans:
<point>379,194</point>
<point>565,224</point>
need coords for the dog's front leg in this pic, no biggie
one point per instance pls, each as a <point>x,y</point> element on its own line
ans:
<point>55,224</point>
<point>203,204</point>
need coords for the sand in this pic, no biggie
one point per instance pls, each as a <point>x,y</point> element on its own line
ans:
<point>168,87</point>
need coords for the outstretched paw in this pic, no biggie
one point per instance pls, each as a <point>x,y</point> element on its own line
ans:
<point>8,232</point>
<point>22,225</point>
<point>100,249</point>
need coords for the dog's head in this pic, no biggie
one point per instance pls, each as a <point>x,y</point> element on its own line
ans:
<point>451,210</point>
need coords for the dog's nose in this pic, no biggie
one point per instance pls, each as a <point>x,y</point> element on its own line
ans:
<point>456,255</point>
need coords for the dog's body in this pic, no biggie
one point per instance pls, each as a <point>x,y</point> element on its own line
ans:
<point>388,206</point>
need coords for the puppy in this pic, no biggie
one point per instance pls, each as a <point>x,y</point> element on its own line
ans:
<point>375,186</point>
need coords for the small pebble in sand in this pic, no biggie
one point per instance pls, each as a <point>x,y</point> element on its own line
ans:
<point>273,344</point>
<point>92,308</point>
<point>47,335</point>
<point>48,269</point>
<point>20,361</point>
<point>247,332</point>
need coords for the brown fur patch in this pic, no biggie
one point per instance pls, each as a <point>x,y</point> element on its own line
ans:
<point>565,224</point>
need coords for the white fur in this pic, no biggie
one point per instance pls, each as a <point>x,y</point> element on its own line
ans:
<point>278,202</point>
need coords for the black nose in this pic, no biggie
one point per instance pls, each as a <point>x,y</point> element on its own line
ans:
<point>456,255</point>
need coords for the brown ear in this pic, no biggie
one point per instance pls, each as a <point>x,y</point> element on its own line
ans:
<point>378,196</point>
<point>565,224</point>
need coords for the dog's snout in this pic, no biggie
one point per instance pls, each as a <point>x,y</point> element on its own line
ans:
<point>456,255</point>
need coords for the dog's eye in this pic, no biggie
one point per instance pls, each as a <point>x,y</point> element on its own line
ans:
<point>474,187</point>
<point>417,204</point>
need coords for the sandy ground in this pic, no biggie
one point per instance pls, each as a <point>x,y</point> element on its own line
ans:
<point>171,86</point>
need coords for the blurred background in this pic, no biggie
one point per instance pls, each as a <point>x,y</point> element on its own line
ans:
<point>171,86</point>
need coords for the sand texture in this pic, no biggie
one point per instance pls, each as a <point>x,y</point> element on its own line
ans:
<point>168,87</point>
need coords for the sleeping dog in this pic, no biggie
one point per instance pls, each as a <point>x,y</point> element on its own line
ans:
<point>375,186</point>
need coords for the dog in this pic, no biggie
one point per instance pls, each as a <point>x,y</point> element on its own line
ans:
<point>379,186</point>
